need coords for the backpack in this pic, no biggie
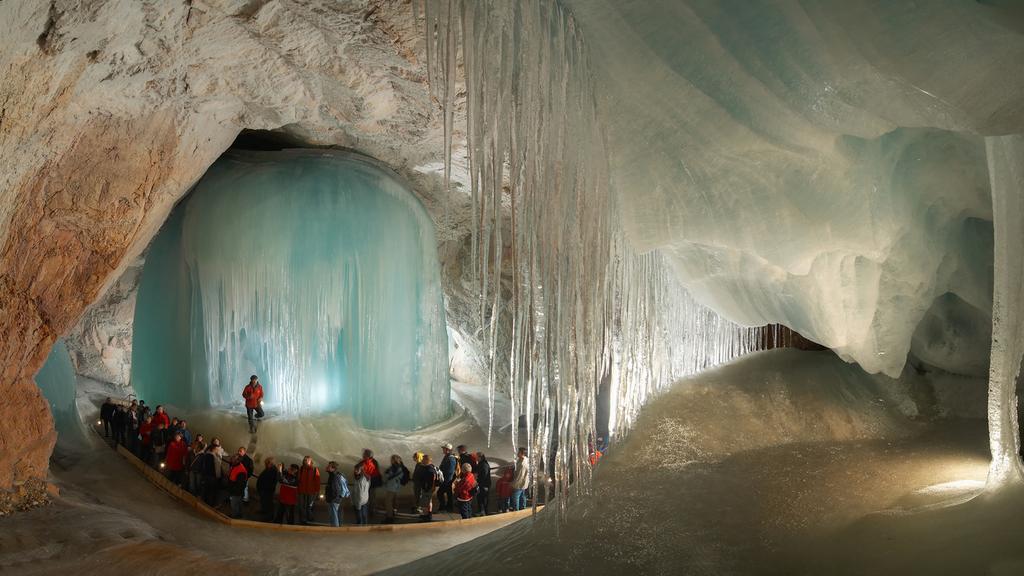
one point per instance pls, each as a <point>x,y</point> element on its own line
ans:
<point>438,475</point>
<point>405,475</point>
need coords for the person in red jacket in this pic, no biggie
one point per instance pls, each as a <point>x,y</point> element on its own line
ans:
<point>253,394</point>
<point>161,417</point>
<point>146,440</point>
<point>465,490</point>
<point>371,468</point>
<point>177,457</point>
<point>238,480</point>
<point>288,495</point>
<point>505,490</point>
<point>309,489</point>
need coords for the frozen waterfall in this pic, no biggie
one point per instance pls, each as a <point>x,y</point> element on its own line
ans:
<point>315,270</point>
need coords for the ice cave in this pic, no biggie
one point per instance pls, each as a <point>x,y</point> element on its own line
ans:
<point>549,286</point>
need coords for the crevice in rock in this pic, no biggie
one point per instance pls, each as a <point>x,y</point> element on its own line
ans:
<point>46,39</point>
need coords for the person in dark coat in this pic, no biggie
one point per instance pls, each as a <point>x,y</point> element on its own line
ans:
<point>266,485</point>
<point>425,478</point>
<point>209,466</point>
<point>107,416</point>
<point>445,500</point>
<point>250,467</point>
<point>118,423</point>
<point>482,471</point>
<point>336,491</point>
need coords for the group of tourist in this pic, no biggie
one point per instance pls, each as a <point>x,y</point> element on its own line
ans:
<point>459,479</point>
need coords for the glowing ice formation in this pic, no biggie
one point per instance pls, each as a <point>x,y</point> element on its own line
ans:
<point>315,270</point>
<point>1006,167</point>
<point>57,380</point>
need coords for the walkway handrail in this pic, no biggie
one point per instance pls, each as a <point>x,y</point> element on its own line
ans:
<point>184,496</point>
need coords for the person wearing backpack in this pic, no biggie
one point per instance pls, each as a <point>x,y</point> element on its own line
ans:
<point>396,476</point>
<point>426,481</point>
<point>337,489</point>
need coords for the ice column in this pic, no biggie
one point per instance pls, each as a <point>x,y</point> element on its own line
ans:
<point>315,270</point>
<point>584,307</point>
<point>1006,171</point>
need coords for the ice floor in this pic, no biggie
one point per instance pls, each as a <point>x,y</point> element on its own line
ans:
<point>782,463</point>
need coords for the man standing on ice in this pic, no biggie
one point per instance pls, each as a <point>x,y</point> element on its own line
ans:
<point>253,394</point>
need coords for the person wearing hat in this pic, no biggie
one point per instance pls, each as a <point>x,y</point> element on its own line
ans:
<point>445,500</point>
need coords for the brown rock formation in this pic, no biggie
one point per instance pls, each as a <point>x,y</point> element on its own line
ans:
<point>110,112</point>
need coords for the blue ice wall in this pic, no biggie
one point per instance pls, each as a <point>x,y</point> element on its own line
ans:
<point>316,270</point>
<point>56,379</point>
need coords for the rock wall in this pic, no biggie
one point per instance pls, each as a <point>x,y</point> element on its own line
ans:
<point>110,111</point>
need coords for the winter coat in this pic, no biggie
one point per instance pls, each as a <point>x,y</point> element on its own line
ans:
<point>393,478</point>
<point>253,395</point>
<point>107,411</point>
<point>466,458</point>
<point>504,488</point>
<point>177,455</point>
<point>361,491</point>
<point>161,417</point>
<point>448,468</point>
<point>464,487</point>
<point>145,432</point>
<point>237,480</point>
<point>521,477</point>
<point>309,480</point>
<point>267,481</point>
<point>289,493</point>
<point>248,463</point>
<point>337,488</point>
<point>186,435</point>
<point>482,471</point>
<point>424,477</point>
<point>206,465</point>
<point>371,468</point>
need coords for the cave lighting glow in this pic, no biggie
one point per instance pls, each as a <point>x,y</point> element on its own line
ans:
<point>317,271</point>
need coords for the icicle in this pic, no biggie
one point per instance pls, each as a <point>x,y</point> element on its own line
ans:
<point>1006,171</point>
<point>584,306</point>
